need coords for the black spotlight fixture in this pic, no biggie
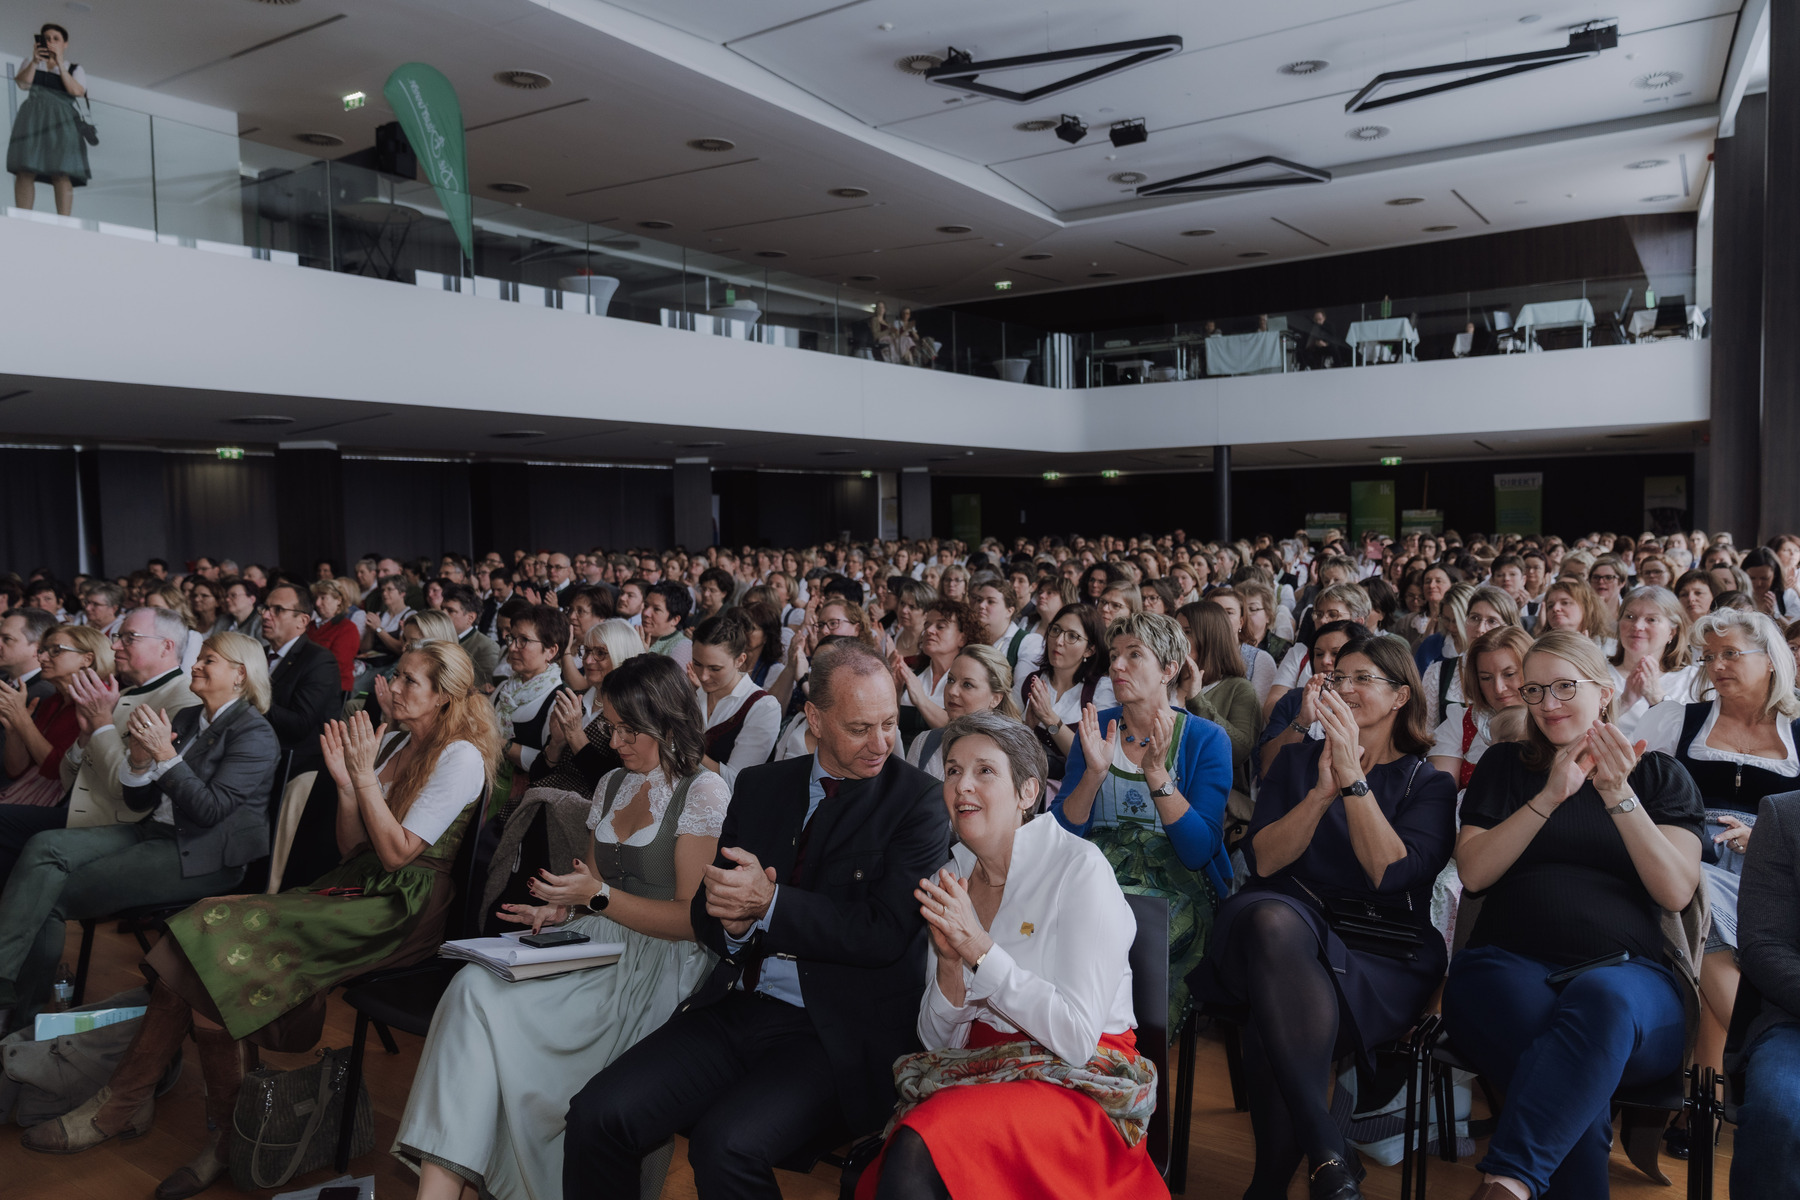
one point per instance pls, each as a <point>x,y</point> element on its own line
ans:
<point>959,68</point>
<point>1071,129</point>
<point>1586,42</point>
<point>1129,133</point>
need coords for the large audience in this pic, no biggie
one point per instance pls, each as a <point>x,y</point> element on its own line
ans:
<point>862,820</point>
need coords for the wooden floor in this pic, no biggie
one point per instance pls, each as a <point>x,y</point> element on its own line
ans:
<point>1220,1155</point>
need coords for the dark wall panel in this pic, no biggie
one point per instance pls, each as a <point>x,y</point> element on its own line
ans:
<point>801,510</point>
<point>220,509</point>
<point>577,508</point>
<point>38,526</point>
<point>133,524</point>
<point>405,509</point>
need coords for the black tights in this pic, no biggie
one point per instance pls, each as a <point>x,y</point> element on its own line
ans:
<point>907,1172</point>
<point>1289,1042</point>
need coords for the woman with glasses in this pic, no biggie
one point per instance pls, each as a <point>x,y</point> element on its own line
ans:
<point>1608,579</point>
<point>1471,613</point>
<point>523,701</point>
<point>37,733</point>
<point>503,1059</point>
<point>1355,823</point>
<point>1073,676</point>
<point>578,749</point>
<point>1739,746</point>
<point>385,633</point>
<point>1569,986</point>
<point>1490,675</point>
<point>1653,570</point>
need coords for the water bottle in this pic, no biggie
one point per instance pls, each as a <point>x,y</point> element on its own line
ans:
<point>62,992</point>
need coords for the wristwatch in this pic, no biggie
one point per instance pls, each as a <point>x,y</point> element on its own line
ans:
<point>1167,789</point>
<point>598,901</point>
<point>1359,788</point>
<point>1297,727</point>
<point>1622,807</point>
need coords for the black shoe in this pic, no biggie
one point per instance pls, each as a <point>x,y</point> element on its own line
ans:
<point>1675,1142</point>
<point>1333,1180</point>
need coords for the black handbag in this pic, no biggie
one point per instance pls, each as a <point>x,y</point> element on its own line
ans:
<point>1384,927</point>
<point>90,133</point>
<point>287,1121</point>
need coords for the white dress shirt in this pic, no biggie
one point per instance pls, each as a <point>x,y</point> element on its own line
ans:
<point>756,737</point>
<point>1059,970</point>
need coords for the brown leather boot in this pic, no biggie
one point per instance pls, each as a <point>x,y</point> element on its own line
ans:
<point>126,1105</point>
<point>222,1066</point>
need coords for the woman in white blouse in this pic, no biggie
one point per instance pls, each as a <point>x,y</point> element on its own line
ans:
<point>502,1059</point>
<point>1029,983</point>
<point>742,720</point>
<point>1072,676</point>
<point>978,681</point>
<point>1489,678</point>
<point>1653,662</point>
<point>1466,614</point>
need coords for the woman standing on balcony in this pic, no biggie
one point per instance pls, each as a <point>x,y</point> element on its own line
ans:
<point>46,136</point>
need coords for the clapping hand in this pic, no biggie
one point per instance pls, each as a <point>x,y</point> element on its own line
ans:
<point>1569,769</point>
<point>1645,681</point>
<point>95,698</point>
<point>577,887</point>
<point>1341,734</point>
<point>1615,756</point>
<point>1096,747</point>
<point>152,732</point>
<point>1309,700</point>
<point>1191,681</point>
<point>738,896</point>
<point>1040,705</point>
<point>949,914</point>
<point>15,710</point>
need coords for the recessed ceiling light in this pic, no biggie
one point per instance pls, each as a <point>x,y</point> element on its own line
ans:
<point>259,419</point>
<point>1644,164</point>
<point>1102,274</point>
<point>1530,19</point>
<point>712,145</point>
<point>864,278</point>
<point>1661,199</point>
<point>702,445</point>
<point>849,193</point>
<point>1127,177</point>
<point>836,453</point>
<point>510,188</point>
<point>1439,228</point>
<point>1254,254</point>
<point>1368,133</point>
<point>1198,232</point>
<point>1622,436</point>
<point>1401,201</point>
<point>516,434</point>
<point>319,139</point>
<point>1387,445</point>
<point>955,229</point>
<point>1306,66</point>
<point>1038,126</point>
<point>918,64</point>
<point>943,458</point>
<point>771,254</point>
<point>1656,81</point>
<point>656,224</point>
<point>529,81</point>
<point>1038,257</point>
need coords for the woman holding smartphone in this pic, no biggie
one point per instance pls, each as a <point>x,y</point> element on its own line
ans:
<point>46,138</point>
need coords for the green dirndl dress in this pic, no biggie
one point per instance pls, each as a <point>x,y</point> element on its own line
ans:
<point>1129,832</point>
<point>262,957</point>
<point>45,141</point>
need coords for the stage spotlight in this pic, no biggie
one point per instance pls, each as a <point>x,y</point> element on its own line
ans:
<point>1129,133</point>
<point>1071,129</point>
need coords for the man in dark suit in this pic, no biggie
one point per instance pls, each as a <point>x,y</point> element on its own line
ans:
<point>1768,1057</point>
<point>305,691</point>
<point>791,1042</point>
<point>21,629</point>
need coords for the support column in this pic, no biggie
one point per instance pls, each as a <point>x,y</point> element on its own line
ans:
<point>1780,484</point>
<point>693,504</point>
<point>915,503</point>
<point>1734,468</point>
<point>309,507</point>
<point>1222,493</point>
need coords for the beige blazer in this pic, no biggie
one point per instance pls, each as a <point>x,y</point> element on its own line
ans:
<point>91,773</point>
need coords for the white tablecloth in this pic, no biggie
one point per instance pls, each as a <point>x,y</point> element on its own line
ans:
<point>1644,320</point>
<point>1394,329</point>
<point>1244,354</point>
<point>1556,314</point>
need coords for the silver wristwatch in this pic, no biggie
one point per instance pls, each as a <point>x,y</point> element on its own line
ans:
<point>1622,807</point>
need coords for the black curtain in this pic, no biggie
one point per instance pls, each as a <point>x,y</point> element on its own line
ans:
<point>38,527</point>
<point>220,509</point>
<point>577,508</point>
<point>406,509</point>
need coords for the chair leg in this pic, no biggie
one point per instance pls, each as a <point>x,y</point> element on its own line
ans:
<point>1446,1113</point>
<point>1234,1065</point>
<point>1408,1103</point>
<point>387,1038</point>
<point>82,959</point>
<point>352,1087</point>
<point>1184,1107</point>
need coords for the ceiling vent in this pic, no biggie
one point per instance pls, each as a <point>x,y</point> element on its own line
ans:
<point>656,224</point>
<point>864,278</point>
<point>1439,228</point>
<point>525,81</point>
<point>1038,257</point>
<point>1038,126</point>
<point>1306,66</point>
<point>836,453</point>
<point>1103,274</point>
<point>1403,201</point>
<point>1254,254</point>
<point>1129,177</point>
<point>849,193</point>
<point>771,254</point>
<point>1198,232</point>
<point>1656,81</point>
<point>1645,164</point>
<point>1368,133</point>
<point>956,229</point>
<point>918,64</point>
<point>1662,199</point>
<point>260,419</point>
<point>513,435</point>
<point>712,145</point>
<point>510,188</point>
<point>319,139</point>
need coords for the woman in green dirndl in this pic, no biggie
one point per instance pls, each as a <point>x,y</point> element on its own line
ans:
<point>258,968</point>
<point>46,137</point>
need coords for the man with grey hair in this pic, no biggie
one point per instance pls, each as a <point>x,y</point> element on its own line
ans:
<point>791,1040</point>
<point>147,670</point>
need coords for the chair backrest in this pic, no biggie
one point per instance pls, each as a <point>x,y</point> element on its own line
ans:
<point>1278,324</point>
<point>1464,343</point>
<point>1625,308</point>
<point>1671,312</point>
<point>1150,1003</point>
<point>1502,321</point>
<point>464,918</point>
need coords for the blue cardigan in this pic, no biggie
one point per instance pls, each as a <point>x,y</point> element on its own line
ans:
<point>1201,768</point>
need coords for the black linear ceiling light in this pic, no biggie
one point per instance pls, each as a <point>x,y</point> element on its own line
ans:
<point>1586,42</point>
<point>959,69</point>
<point>1218,179</point>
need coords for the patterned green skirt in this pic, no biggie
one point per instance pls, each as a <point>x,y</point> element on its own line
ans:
<point>1145,863</point>
<point>45,140</point>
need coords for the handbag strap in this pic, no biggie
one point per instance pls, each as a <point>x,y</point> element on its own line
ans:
<point>327,1069</point>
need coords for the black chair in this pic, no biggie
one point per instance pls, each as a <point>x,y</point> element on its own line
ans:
<point>136,921</point>
<point>405,998</point>
<point>1671,317</point>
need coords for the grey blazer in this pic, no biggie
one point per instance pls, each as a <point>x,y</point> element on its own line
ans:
<point>1769,914</point>
<point>219,788</point>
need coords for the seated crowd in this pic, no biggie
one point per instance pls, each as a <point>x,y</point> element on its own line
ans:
<point>864,818</point>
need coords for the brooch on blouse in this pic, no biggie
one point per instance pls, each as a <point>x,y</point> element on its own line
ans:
<point>1027,928</point>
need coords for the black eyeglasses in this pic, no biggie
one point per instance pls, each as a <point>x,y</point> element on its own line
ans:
<point>517,640</point>
<point>1361,679</point>
<point>1562,689</point>
<point>276,608</point>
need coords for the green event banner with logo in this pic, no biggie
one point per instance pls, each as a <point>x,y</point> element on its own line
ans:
<point>425,104</point>
<point>1371,508</point>
<point>1519,502</point>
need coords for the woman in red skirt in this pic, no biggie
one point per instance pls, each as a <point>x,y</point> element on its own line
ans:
<point>1030,1084</point>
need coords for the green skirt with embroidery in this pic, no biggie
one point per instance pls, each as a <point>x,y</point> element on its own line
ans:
<point>1144,862</point>
<point>260,957</point>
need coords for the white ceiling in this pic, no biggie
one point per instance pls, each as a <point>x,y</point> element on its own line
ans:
<point>810,93</point>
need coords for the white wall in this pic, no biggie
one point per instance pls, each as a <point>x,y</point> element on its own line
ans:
<point>161,315</point>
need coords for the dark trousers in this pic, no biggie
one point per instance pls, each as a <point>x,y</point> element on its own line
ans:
<point>1559,1054</point>
<point>19,823</point>
<point>747,1078</point>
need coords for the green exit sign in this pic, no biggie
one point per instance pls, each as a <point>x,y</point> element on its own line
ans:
<point>355,100</point>
<point>230,453</point>
<point>1391,460</point>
